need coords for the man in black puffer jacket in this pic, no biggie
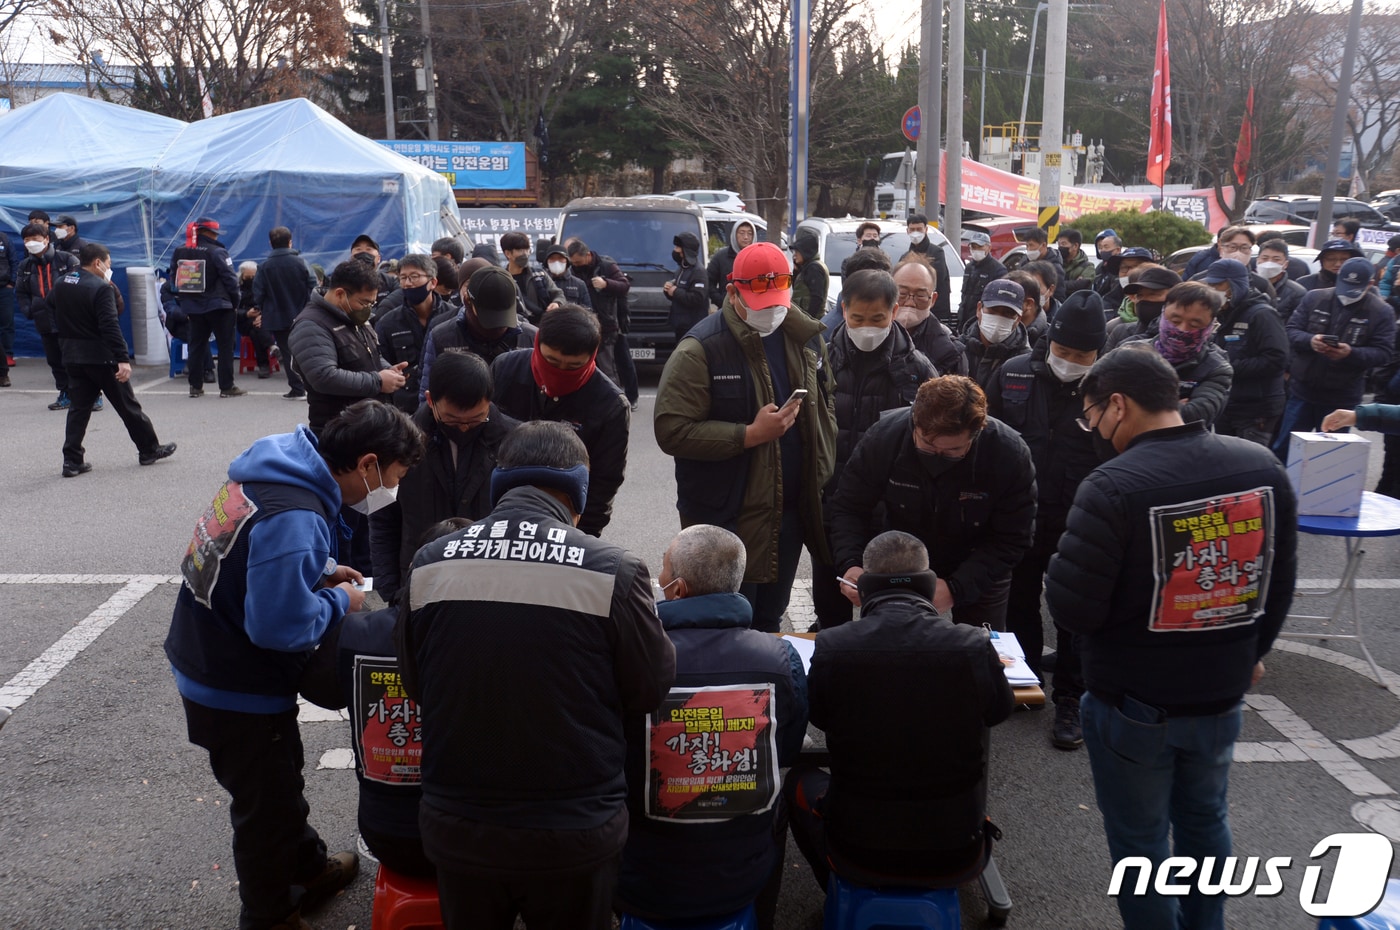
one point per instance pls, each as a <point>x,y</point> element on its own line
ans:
<point>877,369</point>
<point>1181,335</point>
<point>1177,569</point>
<point>488,324</point>
<point>688,291</point>
<point>1252,335</point>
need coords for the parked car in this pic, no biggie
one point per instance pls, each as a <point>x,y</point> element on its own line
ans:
<point>1301,210</point>
<point>722,200</point>
<point>1178,260</point>
<point>1388,203</point>
<point>836,240</point>
<point>637,233</point>
<point>1006,233</point>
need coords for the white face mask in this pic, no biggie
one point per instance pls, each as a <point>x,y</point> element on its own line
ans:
<point>1348,301</point>
<point>869,338</point>
<point>107,273</point>
<point>377,498</point>
<point>1032,255</point>
<point>34,246</point>
<point>1123,280</point>
<point>1064,369</point>
<point>910,317</point>
<point>916,237</point>
<point>977,254</point>
<point>995,328</point>
<point>60,233</point>
<point>1270,270</point>
<point>557,268</point>
<point>767,321</point>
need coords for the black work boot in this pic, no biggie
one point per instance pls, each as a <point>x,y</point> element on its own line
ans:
<point>1066,733</point>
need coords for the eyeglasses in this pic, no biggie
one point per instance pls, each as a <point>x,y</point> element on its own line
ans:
<point>1238,248</point>
<point>362,303</point>
<point>761,284</point>
<point>469,423</point>
<point>1083,421</point>
<point>920,296</point>
<point>413,280</point>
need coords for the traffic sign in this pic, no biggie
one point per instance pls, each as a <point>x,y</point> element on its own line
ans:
<point>913,118</point>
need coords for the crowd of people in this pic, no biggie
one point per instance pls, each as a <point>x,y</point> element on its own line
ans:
<point>550,736</point>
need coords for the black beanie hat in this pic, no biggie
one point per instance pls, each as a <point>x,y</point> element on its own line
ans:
<point>1079,323</point>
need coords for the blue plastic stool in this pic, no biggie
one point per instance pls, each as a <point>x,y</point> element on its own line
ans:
<point>743,920</point>
<point>1385,917</point>
<point>177,357</point>
<point>857,907</point>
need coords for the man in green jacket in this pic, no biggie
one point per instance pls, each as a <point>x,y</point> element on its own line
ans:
<point>745,407</point>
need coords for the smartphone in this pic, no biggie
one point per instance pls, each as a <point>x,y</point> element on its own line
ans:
<point>797,395</point>
<point>1333,341</point>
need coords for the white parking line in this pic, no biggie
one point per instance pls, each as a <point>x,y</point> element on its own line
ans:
<point>1313,745</point>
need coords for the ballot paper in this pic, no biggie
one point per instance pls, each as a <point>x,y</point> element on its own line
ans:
<point>1013,659</point>
<point>805,648</point>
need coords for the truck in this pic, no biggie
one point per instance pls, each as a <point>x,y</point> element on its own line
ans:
<point>896,193</point>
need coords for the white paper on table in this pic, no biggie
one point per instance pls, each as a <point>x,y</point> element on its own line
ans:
<point>1013,659</point>
<point>805,648</point>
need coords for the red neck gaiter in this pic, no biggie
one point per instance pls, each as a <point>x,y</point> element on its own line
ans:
<point>555,382</point>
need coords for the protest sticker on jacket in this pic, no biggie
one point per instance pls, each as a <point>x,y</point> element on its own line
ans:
<point>1213,558</point>
<point>214,536</point>
<point>387,724</point>
<point>714,754</point>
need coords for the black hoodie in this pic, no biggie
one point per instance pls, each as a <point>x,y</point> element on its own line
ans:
<point>690,301</point>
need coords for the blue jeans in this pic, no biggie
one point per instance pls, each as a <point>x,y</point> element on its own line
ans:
<point>1153,776</point>
<point>1299,416</point>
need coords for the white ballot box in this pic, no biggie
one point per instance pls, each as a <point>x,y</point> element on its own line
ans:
<point>1328,471</point>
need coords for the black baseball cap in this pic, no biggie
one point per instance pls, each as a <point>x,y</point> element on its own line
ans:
<point>493,294</point>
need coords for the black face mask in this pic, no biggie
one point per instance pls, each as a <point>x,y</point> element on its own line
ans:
<point>678,257</point>
<point>1104,448</point>
<point>870,243</point>
<point>1064,254</point>
<point>413,296</point>
<point>456,433</point>
<point>1149,310</point>
<point>935,465</point>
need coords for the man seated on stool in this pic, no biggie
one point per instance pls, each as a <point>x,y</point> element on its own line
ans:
<point>906,698</point>
<point>357,667</point>
<point>736,715</point>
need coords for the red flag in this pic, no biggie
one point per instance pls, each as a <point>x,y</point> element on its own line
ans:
<point>1159,147</point>
<point>1245,146</point>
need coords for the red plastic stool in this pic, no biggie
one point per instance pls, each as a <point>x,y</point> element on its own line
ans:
<point>403,903</point>
<point>248,359</point>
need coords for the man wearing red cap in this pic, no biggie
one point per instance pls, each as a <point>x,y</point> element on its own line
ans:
<point>745,408</point>
<point>203,278</point>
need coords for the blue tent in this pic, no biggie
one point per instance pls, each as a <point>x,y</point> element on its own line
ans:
<point>134,181</point>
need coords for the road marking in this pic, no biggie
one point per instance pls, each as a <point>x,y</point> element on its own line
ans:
<point>90,579</point>
<point>42,670</point>
<point>1313,745</point>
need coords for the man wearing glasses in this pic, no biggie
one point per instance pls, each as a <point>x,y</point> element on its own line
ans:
<point>914,282</point>
<point>405,319</point>
<point>745,408</point>
<point>956,479</point>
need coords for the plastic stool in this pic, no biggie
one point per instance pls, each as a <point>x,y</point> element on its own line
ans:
<point>857,907</point>
<point>248,358</point>
<point>177,357</point>
<point>743,920</point>
<point>404,903</point>
<point>1386,916</point>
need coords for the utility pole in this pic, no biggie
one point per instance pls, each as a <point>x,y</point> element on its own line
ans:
<point>1030,66</point>
<point>799,108</point>
<point>1339,128</point>
<point>982,113</point>
<point>384,49</point>
<point>430,81</point>
<point>952,217</point>
<point>1052,127</point>
<point>930,101</point>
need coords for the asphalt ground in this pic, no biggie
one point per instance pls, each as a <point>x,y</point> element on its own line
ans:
<point>110,819</point>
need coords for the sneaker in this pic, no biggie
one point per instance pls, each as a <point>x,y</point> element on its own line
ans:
<point>1047,661</point>
<point>1066,733</point>
<point>234,391</point>
<point>98,406</point>
<point>264,374</point>
<point>295,395</point>
<point>341,869</point>
<point>196,392</point>
<point>4,380</point>
<point>63,403</point>
<point>73,471</point>
<point>156,454</point>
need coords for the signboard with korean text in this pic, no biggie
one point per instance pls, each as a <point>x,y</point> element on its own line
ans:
<point>1212,560</point>
<point>713,754</point>
<point>214,537</point>
<point>468,165</point>
<point>387,723</point>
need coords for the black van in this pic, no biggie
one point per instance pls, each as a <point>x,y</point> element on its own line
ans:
<point>637,233</point>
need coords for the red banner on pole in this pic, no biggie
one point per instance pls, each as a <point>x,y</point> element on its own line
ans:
<point>1244,148</point>
<point>1159,146</point>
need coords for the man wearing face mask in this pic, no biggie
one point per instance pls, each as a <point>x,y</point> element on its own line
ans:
<point>558,379</point>
<point>1167,650</point>
<point>922,245</point>
<point>914,284</point>
<point>1037,395</point>
<point>1333,254</point>
<point>687,290</point>
<point>207,287</point>
<point>1336,335</point>
<point>1273,266</point>
<point>488,324</point>
<point>751,456</point>
<point>958,480</point>
<point>811,280</point>
<point>1038,249</point>
<point>1079,271</point>
<point>1145,295</point>
<point>1183,336</point>
<point>877,369</point>
<point>335,349</point>
<point>65,230</point>
<point>34,281</point>
<point>1038,313</point>
<point>262,586</point>
<point>999,335</point>
<point>96,359</point>
<point>1110,284</point>
<point>1253,337</point>
<point>463,429</point>
<point>405,319</point>
<point>537,289</point>
<point>981,270</point>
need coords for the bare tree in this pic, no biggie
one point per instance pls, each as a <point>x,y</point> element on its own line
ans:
<point>10,10</point>
<point>1373,117</point>
<point>239,52</point>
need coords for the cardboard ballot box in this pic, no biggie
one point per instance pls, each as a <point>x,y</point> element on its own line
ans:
<point>1328,471</point>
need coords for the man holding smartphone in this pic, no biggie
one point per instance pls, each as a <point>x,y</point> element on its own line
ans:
<point>742,461</point>
<point>1337,333</point>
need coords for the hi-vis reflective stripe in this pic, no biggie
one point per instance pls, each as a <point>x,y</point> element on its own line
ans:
<point>500,581</point>
<point>1050,222</point>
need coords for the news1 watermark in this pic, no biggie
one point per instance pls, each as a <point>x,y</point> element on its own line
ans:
<point>1358,876</point>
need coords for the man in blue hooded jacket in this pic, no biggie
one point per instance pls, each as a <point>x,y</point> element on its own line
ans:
<point>261,588</point>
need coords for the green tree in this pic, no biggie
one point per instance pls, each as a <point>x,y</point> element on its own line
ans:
<point>1164,232</point>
